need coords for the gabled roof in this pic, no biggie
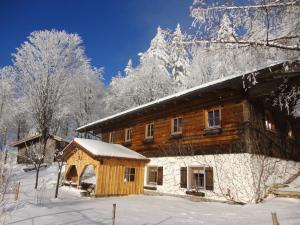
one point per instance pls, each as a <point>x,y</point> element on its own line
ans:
<point>34,138</point>
<point>229,80</point>
<point>103,149</point>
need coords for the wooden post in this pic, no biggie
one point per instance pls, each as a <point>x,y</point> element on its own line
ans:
<point>17,191</point>
<point>274,218</point>
<point>114,213</point>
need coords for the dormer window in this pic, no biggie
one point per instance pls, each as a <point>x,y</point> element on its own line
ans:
<point>111,137</point>
<point>269,122</point>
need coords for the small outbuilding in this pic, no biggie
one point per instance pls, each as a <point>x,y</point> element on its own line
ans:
<point>33,143</point>
<point>106,169</point>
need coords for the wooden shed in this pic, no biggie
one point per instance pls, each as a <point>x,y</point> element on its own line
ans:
<point>33,143</point>
<point>109,169</point>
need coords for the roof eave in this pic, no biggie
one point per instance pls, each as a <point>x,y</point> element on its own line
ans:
<point>67,152</point>
<point>174,97</point>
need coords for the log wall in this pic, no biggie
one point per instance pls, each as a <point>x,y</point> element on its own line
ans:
<point>193,127</point>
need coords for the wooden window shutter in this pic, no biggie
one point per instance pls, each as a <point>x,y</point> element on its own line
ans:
<point>183,177</point>
<point>160,175</point>
<point>209,178</point>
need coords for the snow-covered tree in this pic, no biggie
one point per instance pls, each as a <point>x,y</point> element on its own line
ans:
<point>179,58</point>
<point>6,103</point>
<point>87,97</point>
<point>153,81</point>
<point>159,47</point>
<point>226,31</point>
<point>148,81</point>
<point>128,69</point>
<point>7,183</point>
<point>273,15</point>
<point>46,64</point>
<point>246,36</point>
<point>118,93</point>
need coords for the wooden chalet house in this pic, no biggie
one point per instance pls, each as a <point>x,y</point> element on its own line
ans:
<point>33,143</point>
<point>214,139</point>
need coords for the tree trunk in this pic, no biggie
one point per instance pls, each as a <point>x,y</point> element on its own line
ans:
<point>57,183</point>
<point>37,176</point>
<point>4,144</point>
<point>19,130</point>
<point>5,156</point>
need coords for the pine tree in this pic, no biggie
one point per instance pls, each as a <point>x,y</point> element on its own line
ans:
<point>226,31</point>
<point>128,69</point>
<point>159,47</point>
<point>179,57</point>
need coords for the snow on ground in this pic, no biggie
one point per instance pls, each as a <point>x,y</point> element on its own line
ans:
<point>293,186</point>
<point>140,210</point>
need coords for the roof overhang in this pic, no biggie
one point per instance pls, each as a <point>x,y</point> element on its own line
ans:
<point>35,138</point>
<point>69,150</point>
<point>233,82</point>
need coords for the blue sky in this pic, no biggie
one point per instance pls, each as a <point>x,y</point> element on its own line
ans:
<point>112,31</point>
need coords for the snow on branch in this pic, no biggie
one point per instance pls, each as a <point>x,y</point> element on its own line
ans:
<point>269,43</point>
<point>286,96</point>
<point>248,7</point>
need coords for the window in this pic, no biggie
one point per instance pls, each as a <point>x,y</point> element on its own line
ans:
<point>129,174</point>
<point>214,118</point>
<point>128,134</point>
<point>199,178</point>
<point>269,122</point>
<point>111,137</point>
<point>290,132</point>
<point>149,130</point>
<point>155,175</point>
<point>176,126</point>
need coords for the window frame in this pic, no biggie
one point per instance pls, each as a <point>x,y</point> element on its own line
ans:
<point>269,121</point>
<point>173,125</point>
<point>129,174</point>
<point>208,178</point>
<point>111,137</point>
<point>156,182</point>
<point>128,134</point>
<point>191,177</point>
<point>290,131</point>
<point>151,125</point>
<point>207,119</point>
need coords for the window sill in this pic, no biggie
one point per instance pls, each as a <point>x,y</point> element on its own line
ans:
<point>176,136</point>
<point>152,188</point>
<point>126,143</point>
<point>148,140</point>
<point>195,193</point>
<point>212,131</point>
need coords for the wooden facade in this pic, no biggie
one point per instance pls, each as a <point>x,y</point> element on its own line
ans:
<point>54,142</point>
<point>242,115</point>
<point>110,171</point>
<point>194,128</point>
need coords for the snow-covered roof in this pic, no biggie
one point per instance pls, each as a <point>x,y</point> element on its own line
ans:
<point>33,138</point>
<point>174,96</point>
<point>100,148</point>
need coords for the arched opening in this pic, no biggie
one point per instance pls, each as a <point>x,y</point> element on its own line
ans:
<point>88,179</point>
<point>72,175</point>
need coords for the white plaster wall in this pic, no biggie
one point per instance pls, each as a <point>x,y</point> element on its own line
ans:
<point>233,173</point>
